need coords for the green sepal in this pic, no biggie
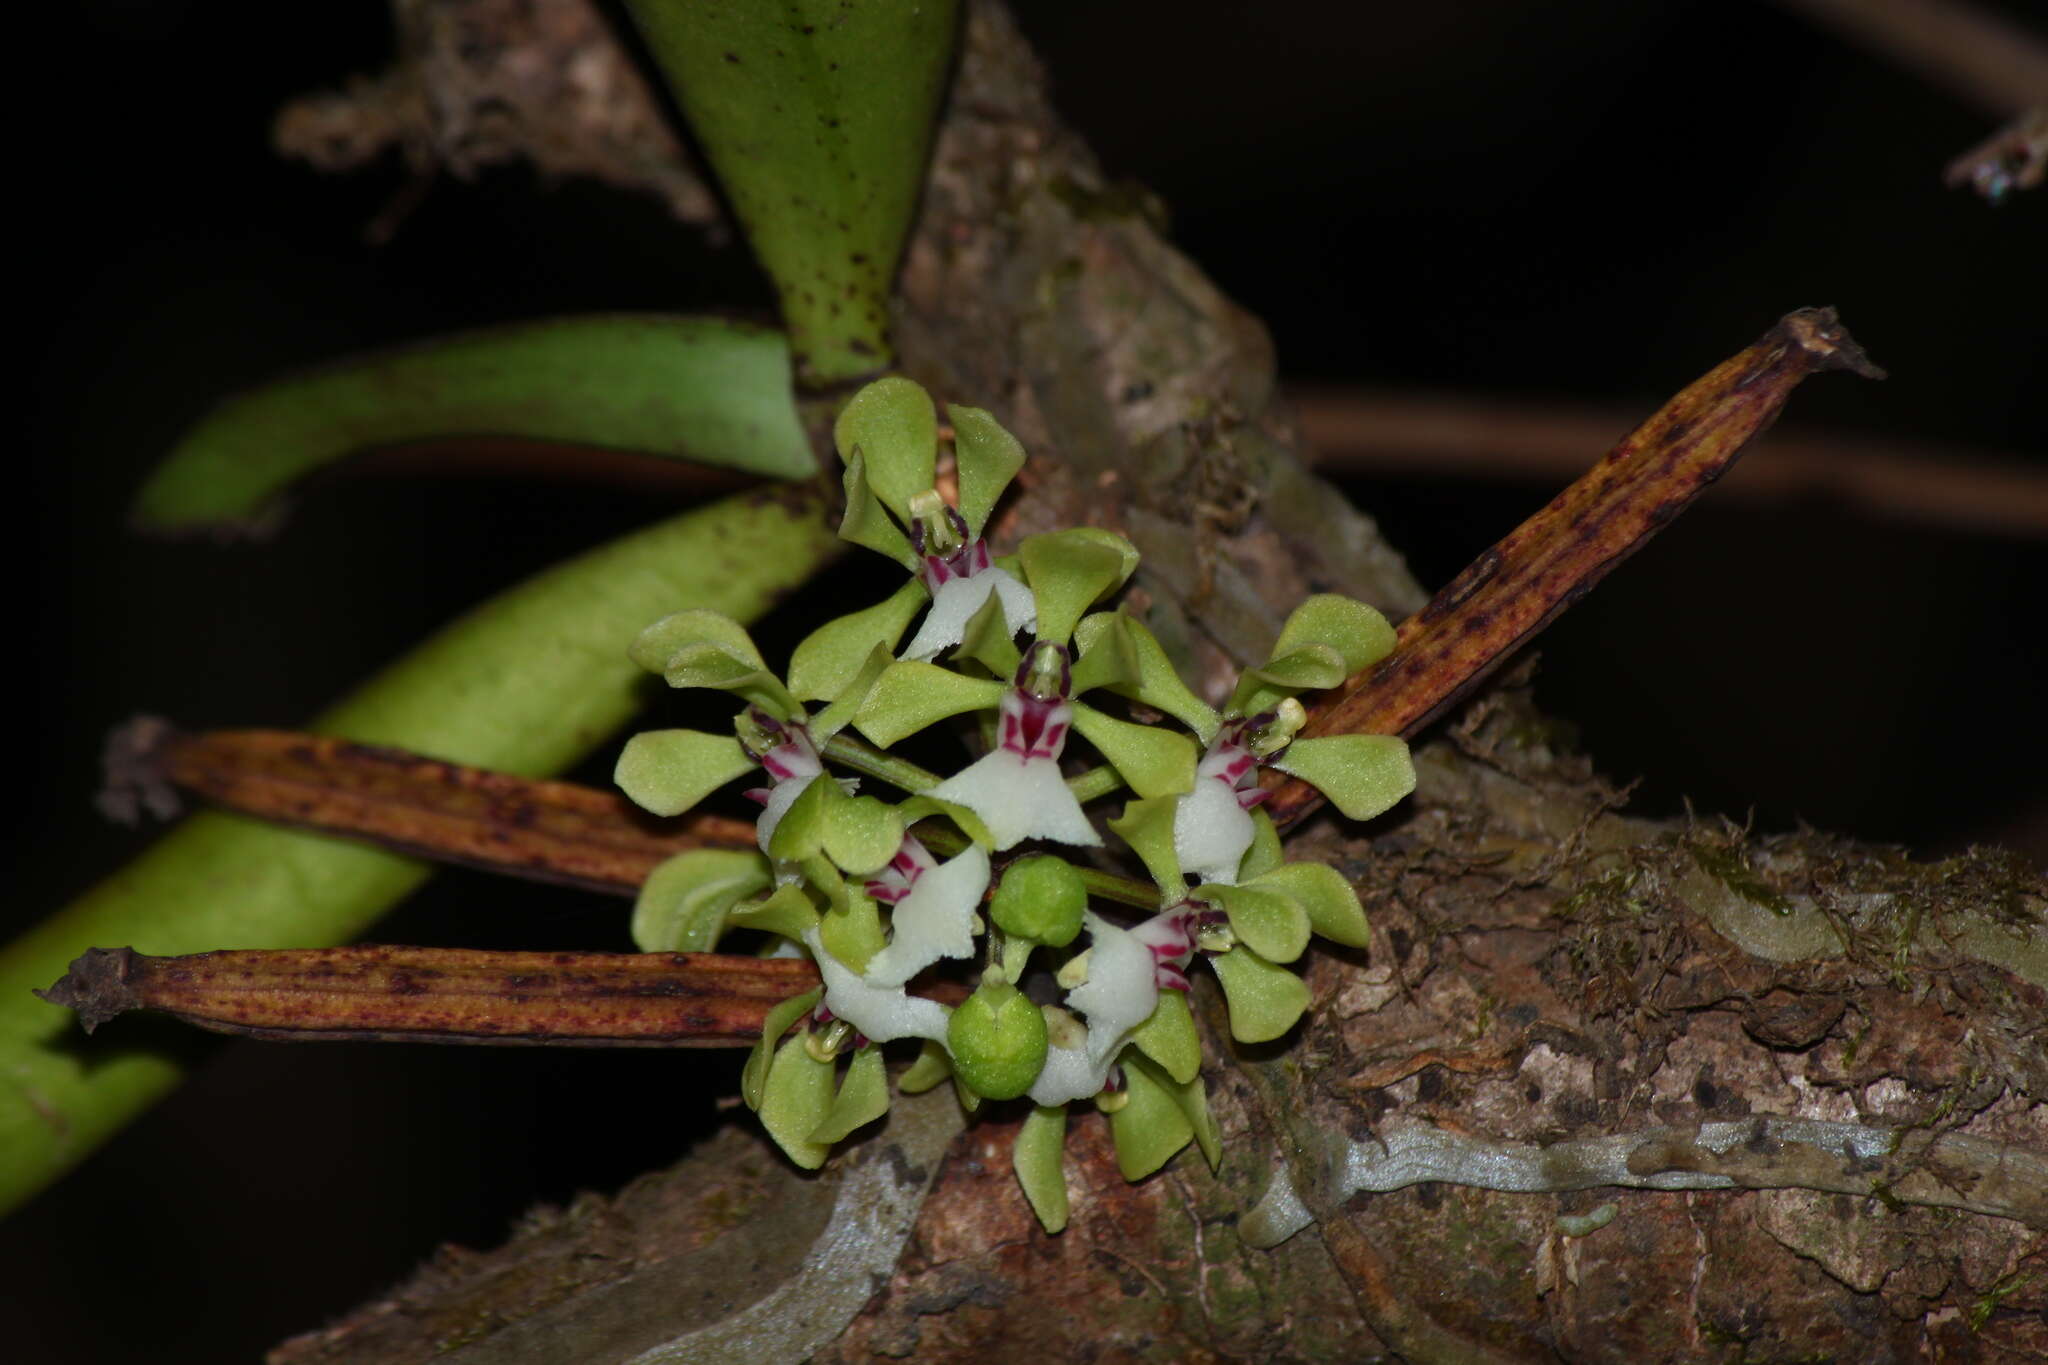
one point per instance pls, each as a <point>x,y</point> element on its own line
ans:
<point>789,912</point>
<point>966,821</point>
<point>1265,1000</point>
<point>1192,1095</point>
<point>862,833</point>
<point>1263,917</point>
<point>1358,633</point>
<point>911,695</point>
<point>1363,775</point>
<point>987,458</point>
<point>656,647</point>
<point>1152,1125</point>
<point>795,1100</point>
<point>969,1101</point>
<point>852,931</point>
<point>987,640</point>
<point>1158,684</point>
<point>1327,897</point>
<point>683,905</point>
<point>931,1067</point>
<point>831,657</point>
<point>801,832</point>
<point>1014,957</point>
<point>841,711</point>
<point>1039,1159</point>
<point>1154,761</point>
<point>893,425</point>
<point>1147,826</point>
<point>1107,654</point>
<point>1169,1037</point>
<point>867,525</point>
<point>1069,571</point>
<point>825,878</point>
<point>712,666</point>
<point>1265,854</point>
<point>754,1076</point>
<point>1299,670</point>
<point>669,771</point>
<point>863,1097</point>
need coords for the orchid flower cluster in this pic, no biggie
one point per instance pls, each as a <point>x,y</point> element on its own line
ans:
<point>998,866</point>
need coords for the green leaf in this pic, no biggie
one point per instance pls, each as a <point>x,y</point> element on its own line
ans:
<point>1039,1158</point>
<point>1151,1126</point>
<point>1158,684</point>
<point>866,524</point>
<point>987,458</point>
<point>796,1100</point>
<point>699,389</point>
<point>911,695</point>
<point>1264,917</point>
<point>987,640</point>
<point>683,904</point>
<point>1265,854</point>
<point>931,1067</point>
<point>1147,826</point>
<point>1363,775</point>
<point>1265,1000</point>
<point>1359,634</point>
<point>861,833</point>
<point>863,1097</point>
<point>754,1077</point>
<point>1070,570</point>
<point>833,656</point>
<point>789,912</point>
<point>817,117</point>
<point>1322,891</point>
<point>892,424</point>
<point>1154,761</point>
<point>841,712</point>
<point>669,771</point>
<point>1169,1037</point>
<point>656,647</point>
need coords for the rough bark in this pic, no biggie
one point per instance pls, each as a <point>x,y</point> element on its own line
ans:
<point>1753,1098</point>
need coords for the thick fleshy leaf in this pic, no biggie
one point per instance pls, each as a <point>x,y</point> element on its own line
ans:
<point>1159,684</point>
<point>832,656</point>
<point>1322,891</point>
<point>1151,1126</point>
<point>1265,1000</point>
<point>1154,761</point>
<point>911,695</point>
<point>861,833</point>
<point>1357,632</point>
<point>931,1068</point>
<point>840,713</point>
<point>893,425</point>
<point>655,648</point>
<point>1265,853</point>
<point>669,771</point>
<point>754,1076</point>
<point>1107,654</point>
<point>1169,1037</point>
<point>789,912</point>
<point>796,1100</point>
<point>700,389</point>
<point>1039,1158</point>
<point>987,457</point>
<point>987,638</point>
<point>1363,775</point>
<point>1069,571</point>
<point>1265,918</point>
<point>865,523</point>
<point>683,904</point>
<point>1147,826</point>
<point>863,1097</point>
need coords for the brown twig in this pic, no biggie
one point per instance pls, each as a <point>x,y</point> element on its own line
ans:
<point>1556,556</point>
<point>1998,66</point>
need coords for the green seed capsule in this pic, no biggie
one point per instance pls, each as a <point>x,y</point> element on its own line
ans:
<point>997,1038</point>
<point>1040,898</point>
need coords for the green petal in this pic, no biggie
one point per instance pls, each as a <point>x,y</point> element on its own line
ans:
<point>1152,1125</point>
<point>866,524</point>
<point>988,640</point>
<point>1147,826</point>
<point>683,904</point>
<point>987,456</point>
<point>1169,1037</point>
<point>1158,684</point>
<point>1039,1158</point>
<point>1363,775</point>
<point>853,932</point>
<point>1322,891</point>
<point>669,771</point>
<point>710,665</point>
<point>892,424</point>
<point>1193,1098</point>
<point>921,807</point>
<point>654,647</point>
<point>861,833</point>
<point>1265,918</point>
<point>1154,761</point>
<point>832,656</point>
<point>1108,654</point>
<point>795,1100</point>
<point>754,1077</point>
<point>931,1067</point>
<point>1265,1000</point>
<point>1357,632</point>
<point>789,912</point>
<point>841,712</point>
<point>911,695</point>
<point>1070,570</point>
<point>1310,666</point>
<point>863,1097</point>
<point>801,832</point>
<point>1264,855</point>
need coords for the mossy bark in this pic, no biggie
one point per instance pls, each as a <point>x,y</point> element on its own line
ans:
<point>1819,1066</point>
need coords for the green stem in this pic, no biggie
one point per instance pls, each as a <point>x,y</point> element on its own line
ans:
<point>1100,781</point>
<point>866,759</point>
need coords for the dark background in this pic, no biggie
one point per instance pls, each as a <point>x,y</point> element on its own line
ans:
<point>1590,200</point>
